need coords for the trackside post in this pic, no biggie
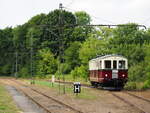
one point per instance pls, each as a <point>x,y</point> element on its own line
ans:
<point>53,80</point>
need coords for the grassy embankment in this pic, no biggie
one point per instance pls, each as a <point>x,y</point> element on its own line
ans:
<point>68,78</point>
<point>130,85</point>
<point>6,102</point>
<point>138,85</point>
<point>85,92</point>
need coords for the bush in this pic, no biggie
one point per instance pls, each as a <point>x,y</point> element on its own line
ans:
<point>46,63</point>
<point>6,69</point>
<point>48,76</point>
<point>137,73</point>
<point>24,72</point>
<point>80,72</point>
<point>74,73</point>
<point>130,86</point>
<point>146,84</point>
<point>137,85</point>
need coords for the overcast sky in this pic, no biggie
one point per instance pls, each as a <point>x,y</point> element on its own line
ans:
<point>17,12</point>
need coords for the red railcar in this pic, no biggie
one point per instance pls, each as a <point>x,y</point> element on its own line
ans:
<point>108,70</point>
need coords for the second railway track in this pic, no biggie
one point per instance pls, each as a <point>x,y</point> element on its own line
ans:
<point>136,102</point>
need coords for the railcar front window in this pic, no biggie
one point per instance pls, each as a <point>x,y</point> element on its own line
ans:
<point>121,64</point>
<point>114,64</point>
<point>107,64</point>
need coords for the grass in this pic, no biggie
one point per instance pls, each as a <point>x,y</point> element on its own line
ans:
<point>71,79</point>
<point>85,92</point>
<point>137,85</point>
<point>6,102</point>
<point>68,78</point>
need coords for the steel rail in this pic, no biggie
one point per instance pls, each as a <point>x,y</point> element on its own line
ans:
<point>120,98</point>
<point>127,102</point>
<point>138,97</point>
<point>49,97</point>
<point>33,100</point>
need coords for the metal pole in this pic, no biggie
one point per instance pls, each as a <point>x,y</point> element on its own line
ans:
<point>16,64</point>
<point>31,59</point>
<point>62,46</point>
<point>61,51</point>
<point>59,58</point>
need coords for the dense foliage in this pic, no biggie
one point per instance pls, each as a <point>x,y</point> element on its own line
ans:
<point>58,46</point>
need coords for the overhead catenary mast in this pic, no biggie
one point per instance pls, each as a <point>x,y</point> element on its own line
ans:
<point>16,65</point>
<point>61,46</point>
<point>31,58</point>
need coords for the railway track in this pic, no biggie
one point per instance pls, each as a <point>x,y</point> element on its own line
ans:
<point>123,96</point>
<point>126,97</point>
<point>135,101</point>
<point>64,108</point>
<point>139,97</point>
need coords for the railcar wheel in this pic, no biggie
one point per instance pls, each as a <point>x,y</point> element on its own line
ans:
<point>92,83</point>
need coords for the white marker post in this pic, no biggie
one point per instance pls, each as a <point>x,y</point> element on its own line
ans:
<point>53,80</point>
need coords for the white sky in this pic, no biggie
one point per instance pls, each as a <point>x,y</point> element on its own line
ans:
<point>16,12</point>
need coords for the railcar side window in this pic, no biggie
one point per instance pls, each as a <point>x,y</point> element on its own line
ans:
<point>100,64</point>
<point>107,64</point>
<point>121,64</point>
<point>114,64</point>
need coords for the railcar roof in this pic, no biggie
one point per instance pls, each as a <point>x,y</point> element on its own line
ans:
<point>107,56</point>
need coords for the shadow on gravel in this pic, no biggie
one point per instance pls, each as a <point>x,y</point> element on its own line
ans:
<point>113,88</point>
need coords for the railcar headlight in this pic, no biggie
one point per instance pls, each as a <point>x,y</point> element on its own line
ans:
<point>123,75</point>
<point>106,75</point>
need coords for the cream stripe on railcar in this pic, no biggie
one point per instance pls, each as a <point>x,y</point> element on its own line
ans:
<point>96,61</point>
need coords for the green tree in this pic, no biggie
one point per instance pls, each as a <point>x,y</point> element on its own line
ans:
<point>46,63</point>
<point>81,32</point>
<point>91,48</point>
<point>54,34</point>
<point>35,31</point>
<point>72,55</point>
<point>137,72</point>
<point>128,34</point>
<point>80,72</point>
<point>82,18</point>
<point>133,52</point>
<point>6,51</point>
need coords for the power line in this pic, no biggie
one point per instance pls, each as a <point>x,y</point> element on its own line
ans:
<point>98,18</point>
<point>147,20</point>
<point>70,3</point>
<point>107,25</point>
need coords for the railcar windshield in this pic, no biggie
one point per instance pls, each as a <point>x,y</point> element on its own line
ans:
<point>121,64</point>
<point>114,64</point>
<point>108,64</point>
